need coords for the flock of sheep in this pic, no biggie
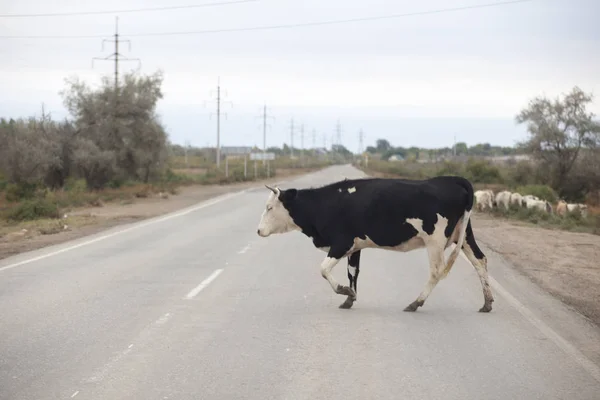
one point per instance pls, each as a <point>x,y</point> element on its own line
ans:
<point>485,200</point>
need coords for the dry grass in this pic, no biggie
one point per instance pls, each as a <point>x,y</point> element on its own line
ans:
<point>27,229</point>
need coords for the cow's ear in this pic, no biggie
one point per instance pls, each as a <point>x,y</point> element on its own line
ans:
<point>288,195</point>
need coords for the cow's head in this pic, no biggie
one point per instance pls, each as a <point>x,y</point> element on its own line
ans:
<point>276,216</point>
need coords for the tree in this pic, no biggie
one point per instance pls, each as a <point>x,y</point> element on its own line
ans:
<point>123,123</point>
<point>28,147</point>
<point>382,145</point>
<point>461,148</point>
<point>558,130</point>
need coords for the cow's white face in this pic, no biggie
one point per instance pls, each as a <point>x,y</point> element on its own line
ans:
<point>275,218</point>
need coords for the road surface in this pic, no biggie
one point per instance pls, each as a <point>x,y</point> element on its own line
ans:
<point>195,305</point>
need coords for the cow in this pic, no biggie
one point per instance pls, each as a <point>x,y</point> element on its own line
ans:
<point>561,208</point>
<point>528,197</point>
<point>582,208</point>
<point>516,199</point>
<point>484,200</point>
<point>503,198</point>
<point>541,205</point>
<point>345,217</point>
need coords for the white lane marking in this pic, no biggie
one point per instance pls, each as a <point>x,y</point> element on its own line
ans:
<point>159,321</point>
<point>130,346</point>
<point>140,225</point>
<point>194,292</point>
<point>561,342</point>
<point>245,249</point>
<point>75,394</point>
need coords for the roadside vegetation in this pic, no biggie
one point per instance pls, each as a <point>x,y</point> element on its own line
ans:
<point>563,163</point>
<point>112,148</point>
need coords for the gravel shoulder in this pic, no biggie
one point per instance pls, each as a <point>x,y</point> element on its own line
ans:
<point>566,264</point>
<point>86,221</point>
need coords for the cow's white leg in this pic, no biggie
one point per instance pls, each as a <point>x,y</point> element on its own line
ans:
<point>326,267</point>
<point>353,270</point>
<point>436,266</point>
<point>479,262</point>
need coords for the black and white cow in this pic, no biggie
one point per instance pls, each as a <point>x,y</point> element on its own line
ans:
<point>346,217</point>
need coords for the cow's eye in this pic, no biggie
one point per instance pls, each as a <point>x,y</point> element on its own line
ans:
<point>269,208</point>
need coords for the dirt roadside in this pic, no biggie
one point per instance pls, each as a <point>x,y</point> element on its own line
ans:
<point>89,220</point>
<point>566,264</point>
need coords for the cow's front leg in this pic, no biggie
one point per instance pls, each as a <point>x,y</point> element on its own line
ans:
<point>326,266</point>
<point>353,270</point>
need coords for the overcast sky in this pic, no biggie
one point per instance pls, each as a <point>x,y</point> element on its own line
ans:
<point>416,80</point>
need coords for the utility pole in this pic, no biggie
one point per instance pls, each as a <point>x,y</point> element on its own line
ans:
<point>264,118</point>
<point>338,130</point>
<point>360,141</point>
<point>454,145</point>
<point>116,56</point>
<point>219,113</point>
<point>292,138</point>
<point>314,139</point>
<point>302,144</point>
<point>185,150</point>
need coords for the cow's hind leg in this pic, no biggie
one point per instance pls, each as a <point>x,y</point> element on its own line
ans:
<point>479,262</point>
<point>353,270</point>
<point>436,267</point>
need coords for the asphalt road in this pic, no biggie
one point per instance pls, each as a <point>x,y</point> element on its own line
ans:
<point>195,305</point>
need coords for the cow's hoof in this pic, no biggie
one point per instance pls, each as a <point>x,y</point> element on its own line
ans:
<point>347,290</point>
<point>487,307</point>
<point>347,304</point>
<point>412,307</point>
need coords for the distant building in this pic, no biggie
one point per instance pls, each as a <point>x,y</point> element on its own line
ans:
<point>396,157</point>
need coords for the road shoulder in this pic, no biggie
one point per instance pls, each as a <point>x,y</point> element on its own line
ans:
<point>87,221</point>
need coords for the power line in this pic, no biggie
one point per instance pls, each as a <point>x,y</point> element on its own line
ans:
<point>132,10</point>
<point>288,26</point>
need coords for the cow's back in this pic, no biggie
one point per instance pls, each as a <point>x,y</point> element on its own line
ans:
<point>381,209</point>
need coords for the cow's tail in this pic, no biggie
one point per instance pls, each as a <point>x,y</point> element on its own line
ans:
<point>465,184</point>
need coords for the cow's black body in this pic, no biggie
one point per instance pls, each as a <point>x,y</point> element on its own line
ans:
<point>378,208</point>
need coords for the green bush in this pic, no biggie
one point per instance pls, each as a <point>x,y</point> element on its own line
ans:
<point>21,191</point>
<point>479,171</point>
<point>76,185</point>
<point>3,182</point>
<point>544,192</point>
<point>451,168</point>
<point>33,209</point>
